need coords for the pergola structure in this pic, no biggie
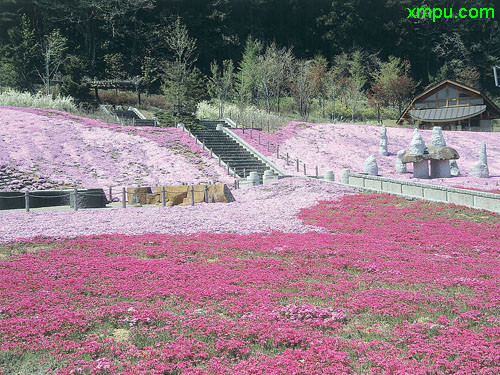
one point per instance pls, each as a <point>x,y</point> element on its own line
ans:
<point>453,106</point>
<point>116,84</point>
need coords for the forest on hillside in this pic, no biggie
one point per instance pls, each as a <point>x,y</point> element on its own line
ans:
<point>352,47</point>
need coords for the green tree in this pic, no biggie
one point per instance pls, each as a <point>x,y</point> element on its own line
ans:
<point>53,54</point>
<point>247,80</point>
<point>304,86</point>
<point>393,83</point>
<point>73,81</point>
<point>321,75</point>
<point>179,67</point>
<point>279,62</point>
<point>115,65</point>
<point>24,55</point>
<point>221,83</point>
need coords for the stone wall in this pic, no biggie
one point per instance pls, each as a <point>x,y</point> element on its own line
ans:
<point>469,198</point>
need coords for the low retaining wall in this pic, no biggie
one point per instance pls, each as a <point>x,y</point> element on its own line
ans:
<point>469,198</point>
<point>87,198</point>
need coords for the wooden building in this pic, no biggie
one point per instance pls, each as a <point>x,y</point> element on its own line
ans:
<point>453,106</point>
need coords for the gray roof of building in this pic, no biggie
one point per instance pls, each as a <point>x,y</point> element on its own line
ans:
<point>447,114</point>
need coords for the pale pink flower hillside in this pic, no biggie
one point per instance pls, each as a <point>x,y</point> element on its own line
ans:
<point>71,150</point>
<point>263,208</point>
<point>336,146</point>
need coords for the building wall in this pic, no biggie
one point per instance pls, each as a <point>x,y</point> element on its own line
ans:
<point>485,125</point>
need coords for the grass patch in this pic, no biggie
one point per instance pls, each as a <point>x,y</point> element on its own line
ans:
<point>16,248</point>
<point>28,363</point>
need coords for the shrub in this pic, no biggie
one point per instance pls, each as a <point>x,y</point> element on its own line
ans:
<point>167,119</point>
<point>246,116</point>
<point>12,98</point>
<point>129,98</point>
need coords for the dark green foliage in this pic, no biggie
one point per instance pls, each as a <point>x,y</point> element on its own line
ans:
<point>99,31</point>
<point>8,74</point>
<point>24,55</point>
<point>72,82</point>
<point>168,119</point>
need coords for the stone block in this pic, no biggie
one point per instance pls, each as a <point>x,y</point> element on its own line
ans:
<point>435,194</point>
<point>89,198</point>
<point>373,184</point>
<point>393,187</point>
<point>463,199</point>
<point>487,203</point>
<point>356,181</point>
<point>220,193</point>
<point>440,169</point>
<point>153,198</point>
<point>174,195</point>
<point>138,195</point>
<point>412,190</point>
<point>421,169</point>
<point>199,195</point>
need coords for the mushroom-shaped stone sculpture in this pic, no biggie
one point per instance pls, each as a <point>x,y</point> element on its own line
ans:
<point>439,158</point>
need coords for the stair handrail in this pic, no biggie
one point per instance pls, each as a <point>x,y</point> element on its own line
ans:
<point>252,150</point>
<point>231,171</point>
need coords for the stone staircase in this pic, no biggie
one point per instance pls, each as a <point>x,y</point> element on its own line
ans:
<point>128,117</point>
<point>231,152</point>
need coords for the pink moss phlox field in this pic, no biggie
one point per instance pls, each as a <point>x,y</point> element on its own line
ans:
<point>260,209</point>
<point>390,287</point>
<point>88,153</point>
<point>337,146</point>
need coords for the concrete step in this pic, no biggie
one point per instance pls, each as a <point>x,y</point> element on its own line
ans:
<point>125,114</point>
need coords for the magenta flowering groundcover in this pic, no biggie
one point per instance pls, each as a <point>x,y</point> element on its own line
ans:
<point>388,287</point>
<point>337,146</point>
<point>77,151</point>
